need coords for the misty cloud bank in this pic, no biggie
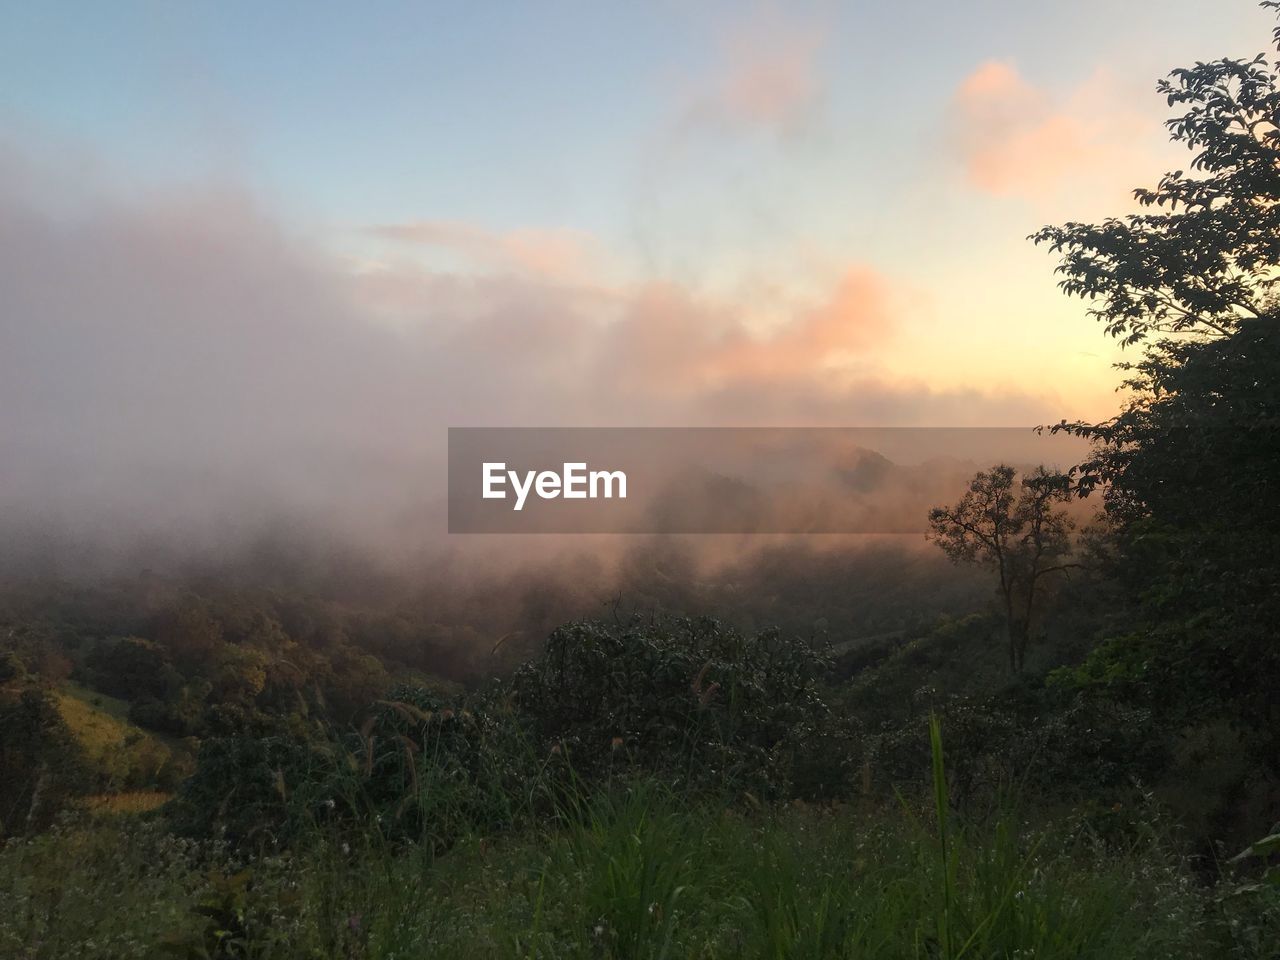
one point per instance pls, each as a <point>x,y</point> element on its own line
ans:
<point>178,369</point>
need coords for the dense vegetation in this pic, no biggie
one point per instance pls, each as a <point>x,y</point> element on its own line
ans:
<point>846,761</point>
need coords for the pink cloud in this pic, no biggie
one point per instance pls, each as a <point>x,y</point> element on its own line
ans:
<point>1016,140</point>
<point>767,78</point>
<point>850,322</point>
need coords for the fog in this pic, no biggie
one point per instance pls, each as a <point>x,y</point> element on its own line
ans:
<point>185,384</point>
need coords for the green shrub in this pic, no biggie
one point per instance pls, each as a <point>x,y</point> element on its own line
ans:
<point>692,701</point>
<point>433,769</point>
<point>253,791</point>
<point>42,769</point>
<point>1051,750</point>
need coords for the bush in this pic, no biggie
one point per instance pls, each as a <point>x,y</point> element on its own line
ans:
<point>691,700</point>
<point>418,768</point>
<point>434,770</point>
<point>131,667</point>
<point>1050,748</point>
<point>41,768</point>
<point>250,790</point>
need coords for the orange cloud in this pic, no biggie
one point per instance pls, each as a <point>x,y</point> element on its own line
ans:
<point>1016,140</point>
<point>656,340</point>
<point>826,338</point>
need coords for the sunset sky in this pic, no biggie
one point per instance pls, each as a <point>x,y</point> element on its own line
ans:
<point>337,227</point>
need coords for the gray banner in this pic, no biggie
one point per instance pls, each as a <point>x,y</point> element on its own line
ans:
<point>725,480</point>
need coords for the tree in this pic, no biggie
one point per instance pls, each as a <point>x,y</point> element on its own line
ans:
<point>1208,258</point>
<point>1014,528</point>
<point>1186,468</point>
<point>132,667</point>
<point>41,765</point>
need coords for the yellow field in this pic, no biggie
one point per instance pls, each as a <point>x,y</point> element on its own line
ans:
<point>122,754</point>
<point>134,801</point>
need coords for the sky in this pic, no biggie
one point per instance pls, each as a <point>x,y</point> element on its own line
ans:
<point>252,245</point>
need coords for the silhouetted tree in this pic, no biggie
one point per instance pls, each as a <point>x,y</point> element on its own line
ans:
<point>1013,527</point>
<point>1186,469</point>
<point>1208,257</point>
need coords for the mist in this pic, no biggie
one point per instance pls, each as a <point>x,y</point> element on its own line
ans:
<point>181,376</point>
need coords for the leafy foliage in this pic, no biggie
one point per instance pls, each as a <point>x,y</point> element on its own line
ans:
<point>1186,469</point>
<point>434,769</point>
<point>695,699</point>
<point>1207,259</point>
<point>41,766</point>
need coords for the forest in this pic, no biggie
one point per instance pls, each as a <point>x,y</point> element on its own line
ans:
<point>1048,729</point>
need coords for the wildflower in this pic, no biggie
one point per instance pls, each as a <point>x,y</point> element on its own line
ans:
<point>615,743</point>
<point>329,803</point>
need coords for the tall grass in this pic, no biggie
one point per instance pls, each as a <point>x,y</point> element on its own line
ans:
<point>631,872</point>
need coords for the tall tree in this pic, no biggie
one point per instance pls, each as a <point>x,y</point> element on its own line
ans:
<point>1206,256</point>
<point>1014,528</point>
<point>1186,469</point>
